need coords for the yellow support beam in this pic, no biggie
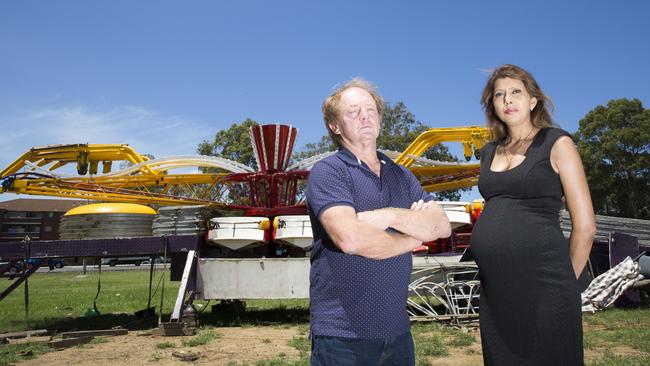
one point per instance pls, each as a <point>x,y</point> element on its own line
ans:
<point>107,195</point>
<point>472,138</point>
<point>136,186</point>
<point>446,186</point>
<point>420,171</point>
<point>446,177</point>
<point>81,154</point>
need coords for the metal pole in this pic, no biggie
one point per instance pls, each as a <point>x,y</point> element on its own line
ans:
<point>150,280</point>
<point>26,289</point>
<point>162,291</point>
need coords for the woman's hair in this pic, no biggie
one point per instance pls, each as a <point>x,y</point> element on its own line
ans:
<point>332,112</point>
<point>540,115</point>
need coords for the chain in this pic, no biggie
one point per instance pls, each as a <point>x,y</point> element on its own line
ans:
<point>516,146</point>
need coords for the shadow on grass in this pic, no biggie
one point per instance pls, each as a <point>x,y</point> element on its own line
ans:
<point>102,321</point>
<point>254,317</point>
<point>220,318</point>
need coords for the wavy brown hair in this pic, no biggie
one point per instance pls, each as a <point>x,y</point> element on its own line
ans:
<point>540,115</point>
<point>332,112</point>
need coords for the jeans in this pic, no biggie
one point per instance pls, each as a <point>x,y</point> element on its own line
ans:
<point>335,351</point>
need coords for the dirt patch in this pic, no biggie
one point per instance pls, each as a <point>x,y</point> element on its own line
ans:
<point>235,344</point>
<point>598,352</point>
<point>462,356</point>
<point>140,348</point>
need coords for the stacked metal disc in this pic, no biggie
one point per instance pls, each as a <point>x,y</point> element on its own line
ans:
<point>107,221</point>
<point>182,220</point>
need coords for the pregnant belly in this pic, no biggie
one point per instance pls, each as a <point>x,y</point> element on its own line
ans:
<point>508,234</point>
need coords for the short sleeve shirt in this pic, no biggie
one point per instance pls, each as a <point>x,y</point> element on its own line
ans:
<point>352,296</point>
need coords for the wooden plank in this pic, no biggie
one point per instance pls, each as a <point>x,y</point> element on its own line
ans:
<point>28,333</point>
<point>426,318</point>
<point>65,343</point>
<point>171,329</point>
<point>18,281</point>
<point>176,314</point>
<point>102,332</point>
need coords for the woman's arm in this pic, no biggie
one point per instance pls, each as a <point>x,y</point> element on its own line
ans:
<point>565,160</point>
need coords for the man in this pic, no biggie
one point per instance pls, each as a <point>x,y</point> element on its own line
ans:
<point>367,215</point>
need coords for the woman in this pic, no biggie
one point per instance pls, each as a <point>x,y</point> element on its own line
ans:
<point>530,302</point>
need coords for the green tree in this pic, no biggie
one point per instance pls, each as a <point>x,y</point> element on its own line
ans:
<point>310,149</point>
<point>233,143</point>
<point>614,143</point>
<point>399,128</point>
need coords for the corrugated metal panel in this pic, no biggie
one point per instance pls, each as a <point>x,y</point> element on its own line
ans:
<point>609,224</point>
<point>182,220</point>
<point>100,226</point>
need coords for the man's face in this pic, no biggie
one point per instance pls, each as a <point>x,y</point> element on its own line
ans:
<point>360,120</point>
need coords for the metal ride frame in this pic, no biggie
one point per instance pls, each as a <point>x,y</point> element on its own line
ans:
<point>148,181</point>
<point>444,292</point>
<point>229,186</point>
<point>181,249</point>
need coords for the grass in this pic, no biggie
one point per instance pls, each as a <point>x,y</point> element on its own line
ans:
<point>165,345</point>
<point>434,340</point>
<point>155,357</point>
<point>98,340</point>
<point>58,302</point>
<point>95,340</point>
<point>462,340</point>
<point>12,353</point>
<point>280,360</point>
<point>622,327</point>
<point>303,329</point>
<point>301,343</point>
<point>204,336</point>
<point>610,359</point>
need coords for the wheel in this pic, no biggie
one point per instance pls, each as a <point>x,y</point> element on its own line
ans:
<point>137,264</point>
<point>58,265</point>
<point>112,262</point>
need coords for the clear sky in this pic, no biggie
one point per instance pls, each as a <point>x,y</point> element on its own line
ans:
<point>164,75</point>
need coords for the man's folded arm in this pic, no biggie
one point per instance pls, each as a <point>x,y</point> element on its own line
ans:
<point>357,237</point>
<point>425,221</point>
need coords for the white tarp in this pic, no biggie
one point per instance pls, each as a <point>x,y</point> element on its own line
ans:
<point>606,288</point>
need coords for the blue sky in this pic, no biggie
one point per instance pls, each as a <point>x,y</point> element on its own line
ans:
<point>164,75</point>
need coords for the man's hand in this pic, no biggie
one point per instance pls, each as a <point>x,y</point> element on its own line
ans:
<point>424,221</point>
<point>384,218</point>
<point>357,237</point>
<point>418,205</point>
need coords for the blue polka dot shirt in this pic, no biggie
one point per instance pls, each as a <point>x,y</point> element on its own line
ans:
<point>352,296</point>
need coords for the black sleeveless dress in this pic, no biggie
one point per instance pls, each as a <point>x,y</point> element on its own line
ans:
<point>530,302</point>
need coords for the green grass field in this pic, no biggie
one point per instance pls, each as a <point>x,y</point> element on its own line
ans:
<point>60,302</point>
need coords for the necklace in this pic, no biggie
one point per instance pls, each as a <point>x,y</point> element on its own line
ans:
<point>515,147</point>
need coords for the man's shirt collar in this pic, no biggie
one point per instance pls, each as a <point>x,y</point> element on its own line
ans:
<point>349,158</point>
